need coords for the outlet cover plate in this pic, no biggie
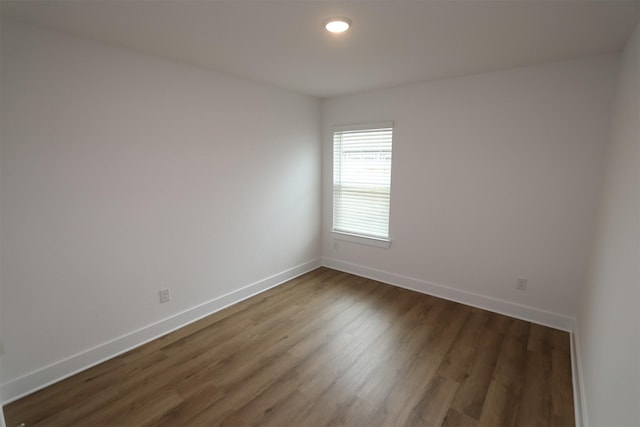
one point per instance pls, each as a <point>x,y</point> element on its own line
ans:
<point>165,296</point>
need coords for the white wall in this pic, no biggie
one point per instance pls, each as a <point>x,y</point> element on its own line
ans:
<point>608,324</point>
<point>2,423</point>
<point>494,178</point>
<point>123,173</point>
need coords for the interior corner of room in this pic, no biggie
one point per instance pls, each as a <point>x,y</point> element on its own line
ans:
<point>139,194</point>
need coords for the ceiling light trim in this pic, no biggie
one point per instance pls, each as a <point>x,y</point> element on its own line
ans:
<point>337,24</point>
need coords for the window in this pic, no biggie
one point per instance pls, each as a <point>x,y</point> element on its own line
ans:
<point>362,182</point>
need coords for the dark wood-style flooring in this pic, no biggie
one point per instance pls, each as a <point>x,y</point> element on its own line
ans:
<point>327,348</point>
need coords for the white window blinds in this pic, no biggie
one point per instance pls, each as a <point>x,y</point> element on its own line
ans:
<point>362,181</point>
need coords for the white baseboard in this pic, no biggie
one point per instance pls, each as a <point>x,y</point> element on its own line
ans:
<point>579,396</point>
<point>33,381</point>
<point>507,308</point>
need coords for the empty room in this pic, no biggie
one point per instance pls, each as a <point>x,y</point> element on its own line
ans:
<point>314,213</point>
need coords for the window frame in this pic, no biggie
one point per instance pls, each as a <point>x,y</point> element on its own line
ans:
<point>346,235</point>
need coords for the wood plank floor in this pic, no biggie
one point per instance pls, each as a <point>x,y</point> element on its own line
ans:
<point>325,349</point>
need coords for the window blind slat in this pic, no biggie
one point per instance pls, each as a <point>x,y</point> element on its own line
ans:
<point>362,181</point>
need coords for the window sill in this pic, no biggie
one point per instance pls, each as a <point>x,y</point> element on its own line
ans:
<point>354,238</point>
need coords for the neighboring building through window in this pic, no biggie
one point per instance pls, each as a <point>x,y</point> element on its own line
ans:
<point>362,181</point>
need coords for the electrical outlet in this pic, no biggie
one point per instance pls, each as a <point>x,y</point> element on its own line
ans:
<point>521,285</point>
<point>164,295</point>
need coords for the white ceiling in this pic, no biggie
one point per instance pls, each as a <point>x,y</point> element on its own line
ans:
<point>390,43</point>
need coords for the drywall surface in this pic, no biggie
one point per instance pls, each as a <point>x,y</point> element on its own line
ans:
<point>2,422</point>
<point>123,174</point>
<point>608,319</point>
<point>494,178</point>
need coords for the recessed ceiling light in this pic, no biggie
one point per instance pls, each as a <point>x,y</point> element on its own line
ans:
<point>337,25</point>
